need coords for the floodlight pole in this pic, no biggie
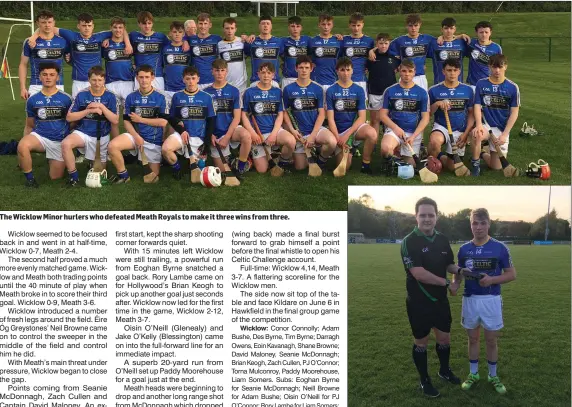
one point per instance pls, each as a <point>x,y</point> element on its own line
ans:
<point>547,214</point>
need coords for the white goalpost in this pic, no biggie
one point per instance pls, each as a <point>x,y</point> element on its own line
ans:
<point>19,22</point>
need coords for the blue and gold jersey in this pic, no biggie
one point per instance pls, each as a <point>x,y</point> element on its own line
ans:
<point>292,50</point>
<point>479,60</point>
<point>175,60</point>
<point>192,109</point>
<point>456,49</point>
<point>225,100</point>
<point>412,48</point>
<point>264,105</point>
<point>325,53</point>
<point>90,123</point>
<point>461,99</point>
<point>405,105</point>
<point>357,49</point>
<point>204,51</point>
<point>304,102</point>
<point>147,50</point>
<point>51,50</point>
<point>49,113</point>
<point>118,65</point>
<point>151,106</point>
<point>346,104</point>
<point>496,100</point>
<point>264,51</point>
<point>85,52</point>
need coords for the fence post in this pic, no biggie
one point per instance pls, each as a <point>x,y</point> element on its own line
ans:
<point>549,49</point>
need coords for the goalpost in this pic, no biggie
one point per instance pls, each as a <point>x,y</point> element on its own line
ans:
<point>20,22</point>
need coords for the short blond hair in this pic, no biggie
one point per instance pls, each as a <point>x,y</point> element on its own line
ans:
<point>480,213</point>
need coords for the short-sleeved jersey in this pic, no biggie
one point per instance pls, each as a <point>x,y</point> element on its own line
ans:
<point>90,123</point>
<point>434,254</point>
<point>233,53</point>
<point>461,99</point>
<point>85,52</point>
<point>479,59</point>
<point>346,104</point>
<point>412,48</point>
<point>325,53</point>
<point>192,109</point>
<point>225,100</point>
<point>357,49</point>
<point>304,102</point>
<point>264,51</point>
<point>147,50</point>
<point>118,65</point>
<point>405,105</point>
<point>292,50</point>
<point>49,113</point>
<point>204,51</point>
<point>456,49</point>
<point>490,258</point>
<point>381,73</point>
<point>175,60</point>
<point>496,100</point>
<point>264,105</point>
<point>51,50</point>
<point>149,106</point>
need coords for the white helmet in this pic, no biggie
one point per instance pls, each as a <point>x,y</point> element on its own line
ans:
<point>211,177</point>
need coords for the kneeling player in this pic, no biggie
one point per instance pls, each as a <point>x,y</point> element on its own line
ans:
<point>405,114</point>
<point>192,115</point>
<point>47,125</point>
<point>95,110</point>
<point>227,131</point>
<point>305,99</point>
<point>346,112</point>
<point>457,99</point>
<point>262,116</point>
<point>144,120</point>
<point>497,99</point>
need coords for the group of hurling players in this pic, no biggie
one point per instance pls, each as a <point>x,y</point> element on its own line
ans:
<point>183,93</point>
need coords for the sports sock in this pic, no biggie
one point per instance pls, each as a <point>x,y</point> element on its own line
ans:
<point>123,174</point>
<point>365,164</point>
<point>241,165</point>
<point>176,167</point>
<point>283,162</point>
<point>74,175</point>
<point>443,352</point>
<point>474,365</point>
<point>29,175</point>
<point>441,154</point>
<point>475,162</point>
<point>420,360</point>
<point>492,368</point>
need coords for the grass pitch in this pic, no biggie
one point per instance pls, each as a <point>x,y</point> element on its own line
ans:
<point>534,346</point>
<point>545,97</point>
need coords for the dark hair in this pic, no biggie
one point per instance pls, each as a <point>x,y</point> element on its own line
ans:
<point>303,59</point>
<point>356,18</point>
<point>480,213</point>
<point>229,20</point>
<point>383,36</point>
<point>268,65</point>
<point>344,62</point>
<point>425,201</point>
<point>95,70</point>
<point>145,68</point>
<point>483,24</point>
<point>45,15</point>
<point>294,20</point>
<point>413,19</point>
<point>325,17</point>
<point>117,20</point>
<point>219,64</point>
<point>177,25</point>
<point>85,17</point>
<point>498,60</point>
<point>454,62</point>
<point>264,18</point>
<point>49,65</point>
<point>204,17</point>
<point>190,71</point>
<point>143,16</point>
<point>448,22</point>
<point>408,63</point>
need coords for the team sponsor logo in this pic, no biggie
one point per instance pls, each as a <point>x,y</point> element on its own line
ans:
<point>297,104</point>
<point>425,250</point>
<point>259,52</point>
<point>42,113</point>
<point>112,55</point>
<point>469,264</point>
<point>475,54</point>
<point>184,112</point>
<point>409,51</point>
<point>443,55</point>
<point>226,56</point>
<point>292,51</point>
<point>42,53</point>
<point>170,59</point>
<point>80,47</point>
<point>319,51</point>
<point>487,100</point>
<point>197,51</point>
<point>399,104</point>
<point>138,111</point>
<point>350,52</point>
<point>215,105</point>
<point>141,47</point>
<point>259,107</point>
<point>339,105</point>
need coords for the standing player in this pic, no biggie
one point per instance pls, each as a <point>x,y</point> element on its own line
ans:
<point>381,75</point>
<point>263,104</point>
<point>294,46</point>
<point>427,257</point>
<point>227,130</point>
<point>325,50</point>
<point>346,114</point>
<point>118,64</point>
<point>265,48</point>
<point>457,99</point>
<point>204,49</point>
<point>48,48</point>
<point>305,99</point>
<point>356,47</point>
<point>192,115</point>
<point>46,124</point>
<point>231,50</point>
<point>144,119</point>
<point>482,302</point>
<point>175,60</point>
<point>405,114</point>
<point>451,48</point>
<point>95,110</point>
<point>481,49</point>
<point>497,101</point>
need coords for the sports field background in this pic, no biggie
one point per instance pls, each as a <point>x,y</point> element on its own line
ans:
<point>534,346</point>
<point>545,97</point>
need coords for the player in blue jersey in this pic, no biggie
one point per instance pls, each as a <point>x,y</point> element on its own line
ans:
<point>357,47</point>
<point>480,50</point>
<point>497,102</point>
<point>144,119</point>
<point>405,114</point>
<point>175,60</point>
<point>451,48</point>
<point>49,48</point>
<point>457,99</point>
<point>295,45</point>
<point>231,50</point>
<point>204,49</point>
<point>192,115</point>
<point>346,113</point>
<point>305,99</point>
<point>413,46</point>
<point>262,116</point>
<point>46,125</point>
<point>491,265</point>
<point>227,129</point>
<point>95,110</point>
<point>118,63</point>
<point>325,50</point>
<point>265,48</point>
